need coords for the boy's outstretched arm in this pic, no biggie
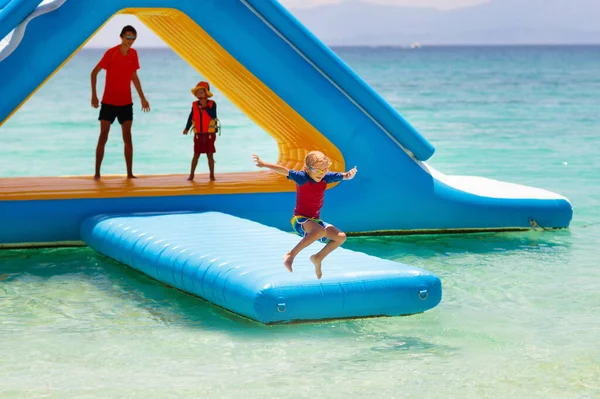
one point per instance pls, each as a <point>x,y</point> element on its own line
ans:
<point>349,175</point>
<point>282,170</point>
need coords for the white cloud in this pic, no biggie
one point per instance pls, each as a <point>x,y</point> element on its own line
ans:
<point>440,4</point>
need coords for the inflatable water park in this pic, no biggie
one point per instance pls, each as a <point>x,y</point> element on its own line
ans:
<point>224,241</point>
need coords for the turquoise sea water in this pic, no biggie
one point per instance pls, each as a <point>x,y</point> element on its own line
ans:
<point>520,313</point>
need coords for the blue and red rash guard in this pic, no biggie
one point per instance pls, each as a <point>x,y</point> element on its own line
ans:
<point>309,193</point>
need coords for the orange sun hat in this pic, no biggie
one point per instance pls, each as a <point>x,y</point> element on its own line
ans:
<point>202,85</point>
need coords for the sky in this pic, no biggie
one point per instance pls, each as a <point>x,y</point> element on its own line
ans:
<point>108,36</point>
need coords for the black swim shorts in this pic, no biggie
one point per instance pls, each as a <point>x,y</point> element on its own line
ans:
<point>109,113</point>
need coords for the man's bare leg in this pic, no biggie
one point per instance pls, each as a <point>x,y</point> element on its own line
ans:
<point>102,139</point>
<point>128,144</point>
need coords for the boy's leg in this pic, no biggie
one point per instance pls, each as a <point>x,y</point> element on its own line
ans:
<point>211,166</point>
<point>193,167</point>
<point>313,232</point>
<point>102,139</point>
<point>126,128</point>
<point>336,238</point>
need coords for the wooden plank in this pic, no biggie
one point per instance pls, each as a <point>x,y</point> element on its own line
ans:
<point>118,186</point>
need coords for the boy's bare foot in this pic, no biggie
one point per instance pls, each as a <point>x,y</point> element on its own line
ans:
<point>288,259</point>
<point>131,177</point>
<point>317,262</point>
<point>191,178</point>
<point>212,178</point>
<point>96,177</point>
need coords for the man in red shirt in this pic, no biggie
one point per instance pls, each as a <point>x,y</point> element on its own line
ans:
<point>121,64</point>
<point>311,183</point>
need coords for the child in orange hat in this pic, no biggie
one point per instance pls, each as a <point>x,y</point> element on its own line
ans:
<point>203,117</point>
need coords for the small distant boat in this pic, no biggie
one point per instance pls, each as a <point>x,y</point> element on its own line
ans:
<point>415,45</point>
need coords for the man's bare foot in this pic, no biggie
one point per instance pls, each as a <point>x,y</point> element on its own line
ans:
<point>288,259</point>
<point>131,177</point>
<point>317,262</point>
<point>96,177</point>
<point>212,178</point>
<point>191,178</point>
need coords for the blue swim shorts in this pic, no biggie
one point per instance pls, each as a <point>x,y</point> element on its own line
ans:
<point>298,221</point>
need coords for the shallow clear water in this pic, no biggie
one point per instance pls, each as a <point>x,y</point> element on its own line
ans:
<point>519,317</point>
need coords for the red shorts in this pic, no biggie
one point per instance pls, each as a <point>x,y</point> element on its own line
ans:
<point>204,143</point>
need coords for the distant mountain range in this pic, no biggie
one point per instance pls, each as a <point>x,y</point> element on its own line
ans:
<point>356,22</point>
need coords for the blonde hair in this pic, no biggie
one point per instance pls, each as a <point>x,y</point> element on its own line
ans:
<point>316,157</point>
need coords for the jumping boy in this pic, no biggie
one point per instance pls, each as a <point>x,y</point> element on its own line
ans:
<point>311,183</point>
<point>121,64</point>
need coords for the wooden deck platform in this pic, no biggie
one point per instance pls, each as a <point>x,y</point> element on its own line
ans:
<point>118,186</point>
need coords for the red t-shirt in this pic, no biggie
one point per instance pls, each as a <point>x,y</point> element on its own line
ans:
<point>309,193</point>
<point>119,73</point>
